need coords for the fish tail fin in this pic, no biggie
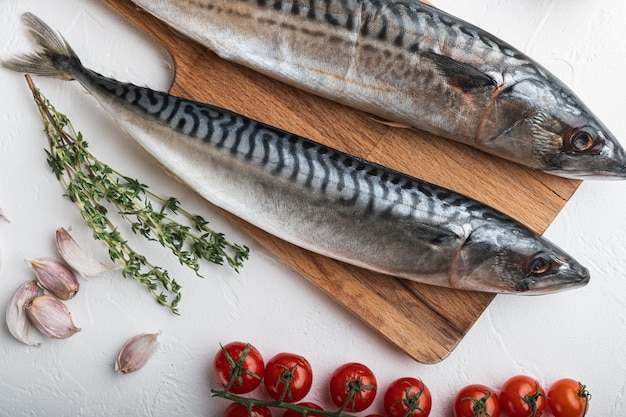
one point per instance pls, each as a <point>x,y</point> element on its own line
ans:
<point>54,57</point>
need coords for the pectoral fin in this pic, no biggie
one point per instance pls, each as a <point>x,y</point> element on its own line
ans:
<point>390,123</point>
<point>433,235</point>
<point>459,74</point>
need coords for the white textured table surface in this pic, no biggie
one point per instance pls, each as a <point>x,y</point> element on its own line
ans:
<point>579,334</point>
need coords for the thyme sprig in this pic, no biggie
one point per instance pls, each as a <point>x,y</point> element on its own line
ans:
<point>91,184</point>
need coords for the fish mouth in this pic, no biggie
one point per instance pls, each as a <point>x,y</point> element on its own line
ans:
<point>581,176</point>
<point>575,279</point>
<point>608,166</point>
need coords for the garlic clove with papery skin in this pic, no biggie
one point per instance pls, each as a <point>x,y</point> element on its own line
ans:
<point>136,352</point>
<point>16,318</point>
<point>55,277</point>
<point>51,317</point>
<point>79,260</point>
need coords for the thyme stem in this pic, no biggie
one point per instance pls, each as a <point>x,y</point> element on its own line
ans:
<point>90,184</point>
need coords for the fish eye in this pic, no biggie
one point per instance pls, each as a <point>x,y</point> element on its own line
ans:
<point>539,265</point>
<point>581,140</point>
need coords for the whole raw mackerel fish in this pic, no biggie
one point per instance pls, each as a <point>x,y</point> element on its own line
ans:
<point>319,198</point>
<point>409,63</point>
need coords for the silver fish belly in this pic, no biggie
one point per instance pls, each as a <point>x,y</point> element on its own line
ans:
<point>413,64</point>
<point>317,197</point>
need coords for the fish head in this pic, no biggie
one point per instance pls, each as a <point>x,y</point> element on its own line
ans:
<point>537,119</point>
<point>512,259</point>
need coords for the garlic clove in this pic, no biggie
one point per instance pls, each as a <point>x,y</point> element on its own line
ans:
<point>16,318</point>
<point>55,277</point>
<point>136,352</point>
<point>79,260</point>
<point>51,317</point>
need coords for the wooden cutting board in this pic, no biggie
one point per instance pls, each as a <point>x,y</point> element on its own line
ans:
<point>424,321</point>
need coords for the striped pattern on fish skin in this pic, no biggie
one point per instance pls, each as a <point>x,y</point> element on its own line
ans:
<point>410,63</point>
<point>317,197</point>
<point>349,45</point>
<point>287,176</point>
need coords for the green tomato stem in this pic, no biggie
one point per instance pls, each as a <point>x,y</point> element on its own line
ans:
<point>354,387</point>
<point>584,393</point>
<point>479,406</point>
<point>531,400</point>
<point>253,402</point>
<point>286,376</point>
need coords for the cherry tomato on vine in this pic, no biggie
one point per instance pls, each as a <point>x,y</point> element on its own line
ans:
<point>407,397</point>
<point>240,410</point>
<point>353,385</point>
<point>476,400</point>
<point>522,396</point>
<point>293,413</point>
<point>288,375</point>
<point>240,361</point>
<point>568,398</point>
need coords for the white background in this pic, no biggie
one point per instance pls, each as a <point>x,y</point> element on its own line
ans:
<point>579,334</point>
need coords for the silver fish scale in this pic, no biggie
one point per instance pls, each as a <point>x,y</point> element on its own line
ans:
<point>329,173</point>
<point>399,48</point>
<point>409,24</point>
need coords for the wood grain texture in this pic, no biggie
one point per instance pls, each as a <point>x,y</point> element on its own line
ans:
<point>425,322</point>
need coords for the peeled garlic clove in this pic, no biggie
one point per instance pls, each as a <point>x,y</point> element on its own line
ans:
<point>55,277</point>
<point>51,317</point>
<point>17,322</point>
<point>79,260</point>
<point>136,352</point>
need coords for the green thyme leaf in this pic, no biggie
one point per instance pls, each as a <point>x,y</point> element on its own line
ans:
<point>92,184</point>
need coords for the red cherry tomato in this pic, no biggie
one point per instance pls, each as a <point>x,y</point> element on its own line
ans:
<point>568,398</point>
<point>288,377</point>
<point>241,361</point>
<point>522,396</point>
<point>292,413</point>
<point>476,401</point>
<point>240,410</point>
<point>407,397</point>
<point>353,385</point>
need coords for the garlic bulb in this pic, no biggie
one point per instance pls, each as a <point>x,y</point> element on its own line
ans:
<point>51,317</point>
<point>55,277</point>
<point>79,260</point>
<point>16,318</point>
<point>136,352</point>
